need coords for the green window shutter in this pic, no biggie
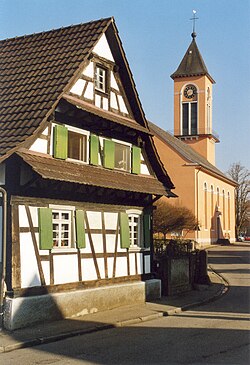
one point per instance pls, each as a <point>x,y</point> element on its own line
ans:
<point>94,149</point>
<point>147,229</point>
<point>45,228</point>
<point>60,142</point>
<point>124,230</point>
<point>80,229</point>
<point>109,153</point>
<point>136,160</point>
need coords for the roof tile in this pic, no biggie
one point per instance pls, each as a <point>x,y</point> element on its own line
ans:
<point>34,70</point>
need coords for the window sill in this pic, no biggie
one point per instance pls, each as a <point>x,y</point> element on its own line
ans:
<point>64,250</point>
<point>137,248</point>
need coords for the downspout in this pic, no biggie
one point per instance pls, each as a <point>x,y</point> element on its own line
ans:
<point>4,243</point>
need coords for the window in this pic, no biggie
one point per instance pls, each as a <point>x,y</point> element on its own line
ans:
<point>61,220</point>
<point>56,228</point>
<point>134,229</point>
<point>189,111</point>
<point>122,157</point>
<point>77,146</point>
<point>205,204</point>
<point>218,197</point>
<point>212,207</point>
<point>70,142</point>
<point>229,211</point>
<point>224,210</point>
<point>100,78</point>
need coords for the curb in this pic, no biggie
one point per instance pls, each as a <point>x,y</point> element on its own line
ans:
<point>128,322</point>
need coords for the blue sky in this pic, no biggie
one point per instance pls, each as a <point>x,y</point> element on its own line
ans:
<point>155,36</point>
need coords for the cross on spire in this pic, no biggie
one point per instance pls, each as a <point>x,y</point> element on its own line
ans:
<point>194,18</point>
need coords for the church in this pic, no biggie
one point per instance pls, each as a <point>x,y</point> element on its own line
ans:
<point>189,154</point>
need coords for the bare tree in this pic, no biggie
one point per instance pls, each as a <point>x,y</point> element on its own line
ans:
<point>169,218</point>
<point>241,175</point>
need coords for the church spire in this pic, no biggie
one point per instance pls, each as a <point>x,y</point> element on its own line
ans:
<point>192,63</point>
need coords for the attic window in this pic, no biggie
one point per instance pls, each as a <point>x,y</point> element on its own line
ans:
<point>100,79</point>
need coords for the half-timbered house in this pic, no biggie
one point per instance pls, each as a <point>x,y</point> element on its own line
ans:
<point>79,171</point>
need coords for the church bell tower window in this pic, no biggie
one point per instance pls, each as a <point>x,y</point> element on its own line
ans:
<point>189,111</point>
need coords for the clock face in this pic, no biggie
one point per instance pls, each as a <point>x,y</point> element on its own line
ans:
<point>190,91</point>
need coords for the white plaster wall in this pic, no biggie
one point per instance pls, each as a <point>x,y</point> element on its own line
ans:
<point>113,101</point>
<point>46,131</point>
<point>97,100</point>
<point>144,168</point>
<point>121,266</point>
<point>29,268</point>
<point>122,105</point>
<point>88,270</point>
<point>89,70</point>
<point>110,266</point>
<point>78,87</point>
<point>110,242</point>
<point>100,263</point>
<point>139,263</point>
<point>113,82</point>
<point>23,220</point>
<point>102,49</point>
<point>65,269</point>
<point>110,220</point>
<point>95,220</point>
<point>105,103</point>
<point>132,263</point>
<point>97,242</point>
<point>89,93</point>
<point>40,145</point>
<point>46,271</point>
<point>87,249</point>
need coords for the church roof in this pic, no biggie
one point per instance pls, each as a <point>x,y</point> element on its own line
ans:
<point>187,152</point>
<point>192,63</point>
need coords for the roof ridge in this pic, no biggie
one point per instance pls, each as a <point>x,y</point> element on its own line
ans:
<point>186,151</point>
<point>111,18</point>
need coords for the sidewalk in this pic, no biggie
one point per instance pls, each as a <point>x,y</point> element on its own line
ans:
<point>122,316</point>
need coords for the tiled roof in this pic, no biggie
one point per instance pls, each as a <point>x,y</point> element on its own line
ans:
<point>34,70</point>
<point>192,64</point>
<point>50,168</point>
<point>186,151</point>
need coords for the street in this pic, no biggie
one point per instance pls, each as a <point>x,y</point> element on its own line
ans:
<point>215,333</point>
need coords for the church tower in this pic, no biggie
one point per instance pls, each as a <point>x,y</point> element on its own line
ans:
<point>193,103</point>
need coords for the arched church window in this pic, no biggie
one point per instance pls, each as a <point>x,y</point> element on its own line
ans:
<point>212,207</point>
<point>228,209</point>
<point>189,110</point>
<point>205,204</point>
<point>218,197</point>
<point>223,209</point>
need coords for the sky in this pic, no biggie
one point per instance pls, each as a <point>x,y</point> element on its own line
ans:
<point>155,35</point>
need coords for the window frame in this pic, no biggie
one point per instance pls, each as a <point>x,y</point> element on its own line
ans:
<point>97,76</point>
<point>132,214</point>
<point>72,235</point>
<point>80,132</point>
<point>192,125</point>
<point>126,144</point>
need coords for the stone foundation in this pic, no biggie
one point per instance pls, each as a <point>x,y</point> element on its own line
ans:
<point>25,311</point>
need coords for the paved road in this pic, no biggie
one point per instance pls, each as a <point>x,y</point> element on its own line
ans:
<point>216,333</point>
